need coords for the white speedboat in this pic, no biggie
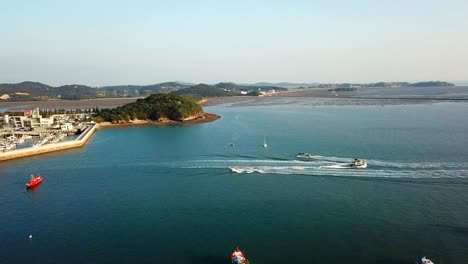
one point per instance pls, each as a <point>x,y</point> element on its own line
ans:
<point>236,170</point>
<point>359,164</point>
<point>424,260</point>
<point>303,155</point>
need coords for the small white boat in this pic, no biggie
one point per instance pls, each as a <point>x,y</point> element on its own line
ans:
<point>424,260</point>
<point>359,164</point>
<point>38,144</point>
<point>9,146</point>
<point>303,155</point>
<point>236,170</point>
<point>265,145</point>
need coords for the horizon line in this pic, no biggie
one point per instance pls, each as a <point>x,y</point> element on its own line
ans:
<point>455,82</point>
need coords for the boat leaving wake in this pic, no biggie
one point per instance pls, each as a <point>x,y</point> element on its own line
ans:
<point>334,166</point>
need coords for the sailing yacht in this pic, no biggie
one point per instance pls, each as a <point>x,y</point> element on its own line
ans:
<point>265,145</point>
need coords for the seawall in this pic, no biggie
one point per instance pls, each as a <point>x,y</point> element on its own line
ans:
<point>78,142</point>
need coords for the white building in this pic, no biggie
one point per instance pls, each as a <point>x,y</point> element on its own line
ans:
<point>46,122</point>
<point>6,121</point>
<point>66,127</point>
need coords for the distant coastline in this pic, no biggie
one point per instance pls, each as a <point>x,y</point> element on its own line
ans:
<point>456,93</point>
<point>36,91</point>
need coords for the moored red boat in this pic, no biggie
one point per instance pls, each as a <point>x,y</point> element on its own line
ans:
<point>34,181</point>
<point>424,260</point>
<point>237,257</point>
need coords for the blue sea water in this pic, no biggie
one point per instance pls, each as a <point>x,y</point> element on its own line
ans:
<point>166,194</point>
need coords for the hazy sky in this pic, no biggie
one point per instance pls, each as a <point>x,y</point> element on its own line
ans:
<point>143,42</point>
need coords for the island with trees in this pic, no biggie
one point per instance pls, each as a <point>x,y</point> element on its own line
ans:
<point>157,108</point>
<point>431,84</point>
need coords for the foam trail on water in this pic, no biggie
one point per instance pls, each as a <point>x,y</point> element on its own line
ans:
<point>334,166</point>
<point>355,172</point>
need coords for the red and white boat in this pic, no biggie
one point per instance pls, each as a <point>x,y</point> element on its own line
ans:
<point>34,181</point>
<point>424,260</point>
<point>237,257</point>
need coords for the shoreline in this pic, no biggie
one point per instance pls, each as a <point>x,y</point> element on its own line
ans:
<point>207,117</point>
<point>316,96</point>
<point>79,142</point>
<point>82,139</point>
<point>321,98</point>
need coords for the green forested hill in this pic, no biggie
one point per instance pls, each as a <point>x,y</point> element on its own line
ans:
<point>154,107</point>
<point>205,90</point>
<point>38,91</point>
<point>431,84</point>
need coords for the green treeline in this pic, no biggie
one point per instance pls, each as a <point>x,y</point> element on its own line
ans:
<point>432,84</point>
<point>205,90</point>
<point>154,107</point>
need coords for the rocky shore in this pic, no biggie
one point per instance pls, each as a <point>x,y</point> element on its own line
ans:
<point>205,118</point>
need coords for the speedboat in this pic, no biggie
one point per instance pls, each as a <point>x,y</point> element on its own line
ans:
<point>359,164</point>
<point>34,181</point>
<point>303,155</point>
<point>237,257</point>
<point>236,170</point>
<point>424,260</point>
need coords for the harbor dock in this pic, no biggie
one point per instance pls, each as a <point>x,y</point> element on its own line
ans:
<point>31,151</point>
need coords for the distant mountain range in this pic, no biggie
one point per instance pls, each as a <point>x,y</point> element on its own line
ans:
<point>204,90</point>
<point>37,91</point>
<point>287,84</point>
<point>140,90</point>
<point>227,89</point>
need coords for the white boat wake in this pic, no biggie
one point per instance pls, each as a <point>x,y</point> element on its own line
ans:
<point>337,166</point>
<point>333,166</point>
<point>245,170</point>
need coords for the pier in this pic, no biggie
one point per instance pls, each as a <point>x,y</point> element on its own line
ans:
<point>35,133</point>
<point>26,152</point>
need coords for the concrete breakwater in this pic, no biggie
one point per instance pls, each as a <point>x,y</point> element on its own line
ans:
<point>25,152</point>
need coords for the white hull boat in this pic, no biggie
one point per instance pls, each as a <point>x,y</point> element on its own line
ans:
<point>359,164</point>
<point>424,260</point>
<point>303,155</point>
